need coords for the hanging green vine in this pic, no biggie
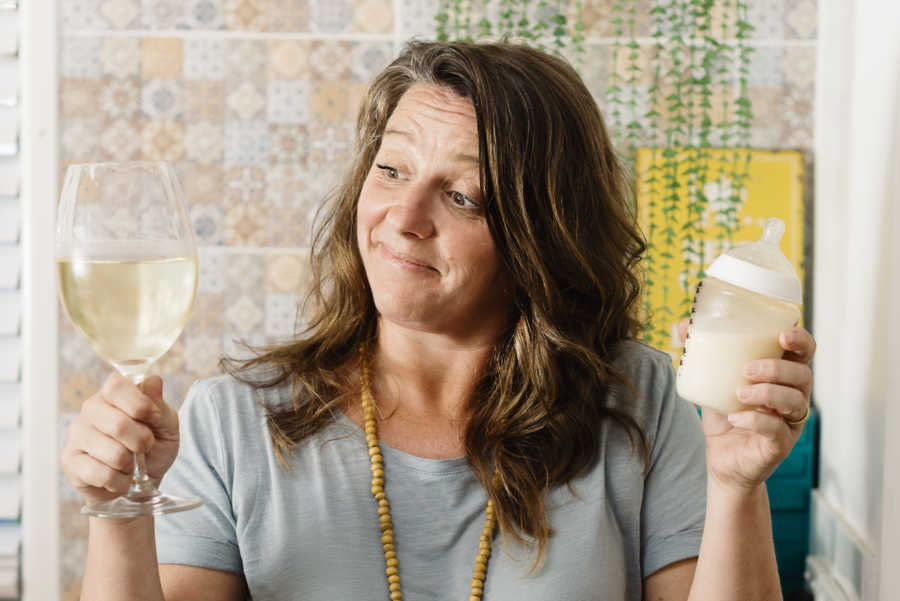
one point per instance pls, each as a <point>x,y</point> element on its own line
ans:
<point>530,22</point>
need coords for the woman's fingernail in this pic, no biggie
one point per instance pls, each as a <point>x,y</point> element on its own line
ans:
<point>790,338</point>
<point>745,392</point>
<point>734,418</point>
<point>751,369</point>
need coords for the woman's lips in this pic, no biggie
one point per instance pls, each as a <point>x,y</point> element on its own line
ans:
<point>403,260</point>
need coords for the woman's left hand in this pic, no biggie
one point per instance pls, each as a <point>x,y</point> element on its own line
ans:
<point>745,447</point>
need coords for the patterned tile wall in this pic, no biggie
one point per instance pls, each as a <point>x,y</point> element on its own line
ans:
<point>254,101</point>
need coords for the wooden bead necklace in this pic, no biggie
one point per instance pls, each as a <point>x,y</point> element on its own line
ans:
<point>384,510</point>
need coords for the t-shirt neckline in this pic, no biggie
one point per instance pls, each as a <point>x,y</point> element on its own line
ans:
<point>396,456</point>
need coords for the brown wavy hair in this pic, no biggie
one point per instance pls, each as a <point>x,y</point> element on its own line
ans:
<point>557,206</point>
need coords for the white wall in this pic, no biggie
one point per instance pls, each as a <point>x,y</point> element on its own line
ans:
<point>855,296</point>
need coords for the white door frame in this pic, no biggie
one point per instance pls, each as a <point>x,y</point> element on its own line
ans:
<point>40,464</point>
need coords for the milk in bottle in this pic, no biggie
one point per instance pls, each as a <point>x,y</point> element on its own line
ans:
<point>750,295</point>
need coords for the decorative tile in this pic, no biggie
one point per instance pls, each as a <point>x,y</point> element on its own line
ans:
<point>288,226</point>
<point>209,222</point>
<point>767,18</point>
<point>331,59</point>
<point>288,144</point>
<point>74,352</point>
<point>288,101</point>
<point>245,61</point>
<point>799,65</point>
<point>281,312</point>
<point>797,106</point>
<point>75,387</point>
<point>244,276</point>
<point>245,225</point>
<point>597,16</point>
<point>161,57</point>
<point>595,69</point>
<point>330,101</point>
<point>245,102</point>
<point>80,57</point>
<point>211,280</point>
<point>162,99</point>
<point>122,14</point>
<point>64,424</point>
<point>368,59</point>
<point>285,273</point>
<point>288,15</point>
<point>78,97</point>
<point>204,59</point>
<point>246,15</point>
<point>162,140</point>
<point>80,15</point>
<point>286,185</point>
<point>245,185</point>
<point>120,57</point>
<point>417,18</point>
<point>206,15</point>
<point>288,59</point>
<point>330,17</point>
<point>203,183</point>
<point>766,67</point>
<point>206,316</point>
<point>204,142</point>
<point>80,140</point>
<point>374,16</point>
<point>245,142</point>
<point>72,545</point>
<point>244,316</point>
<point>120,141</point>
<point>801,19</point>
<point>766,106</point>
<point>201,355</point>
<point>331,143</point>
<point>204,100</point>
<point>162,14</point>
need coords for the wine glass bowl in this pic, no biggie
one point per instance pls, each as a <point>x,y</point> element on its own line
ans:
<point>127,272</point>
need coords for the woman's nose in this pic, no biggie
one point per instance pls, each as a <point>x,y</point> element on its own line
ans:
<point>411,212</point>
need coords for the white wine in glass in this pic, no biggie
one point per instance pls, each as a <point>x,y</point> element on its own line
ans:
<point>127,263</point>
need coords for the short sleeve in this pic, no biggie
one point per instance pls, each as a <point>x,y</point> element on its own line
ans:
<point>205,536</point>
<point>674,504</point>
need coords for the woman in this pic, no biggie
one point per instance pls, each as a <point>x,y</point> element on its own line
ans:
<point>469,368</point>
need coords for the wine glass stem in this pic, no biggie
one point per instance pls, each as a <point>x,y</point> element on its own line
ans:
<point>142,486</point>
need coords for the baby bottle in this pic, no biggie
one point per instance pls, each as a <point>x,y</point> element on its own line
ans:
<point>750,295</point>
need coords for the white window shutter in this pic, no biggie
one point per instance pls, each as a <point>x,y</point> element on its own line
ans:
<point>10,303</point>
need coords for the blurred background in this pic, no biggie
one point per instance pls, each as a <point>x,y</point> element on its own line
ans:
<point>255,102</point>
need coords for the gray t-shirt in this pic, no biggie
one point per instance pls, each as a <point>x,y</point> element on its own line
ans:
<point>313,534</point>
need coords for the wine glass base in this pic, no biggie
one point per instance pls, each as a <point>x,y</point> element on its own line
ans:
<point>123,507</point>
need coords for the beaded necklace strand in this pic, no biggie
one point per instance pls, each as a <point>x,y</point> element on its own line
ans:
<point>384,509</point>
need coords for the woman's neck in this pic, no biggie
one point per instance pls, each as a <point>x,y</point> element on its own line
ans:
<point>425,375</point>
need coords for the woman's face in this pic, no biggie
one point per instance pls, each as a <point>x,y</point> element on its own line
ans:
<point>425,245</point>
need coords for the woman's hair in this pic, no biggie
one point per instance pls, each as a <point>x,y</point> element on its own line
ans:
<point>556,201</point>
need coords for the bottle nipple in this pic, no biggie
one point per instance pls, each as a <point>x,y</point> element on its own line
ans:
<point>773,231</point>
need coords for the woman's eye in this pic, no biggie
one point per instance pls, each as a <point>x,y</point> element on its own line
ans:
<point>389,171</point>
<point>463,201</point>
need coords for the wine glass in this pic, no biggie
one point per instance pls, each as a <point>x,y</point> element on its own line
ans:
<point>127,268</point>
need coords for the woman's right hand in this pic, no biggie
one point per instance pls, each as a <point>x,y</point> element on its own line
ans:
<point>117,421</point>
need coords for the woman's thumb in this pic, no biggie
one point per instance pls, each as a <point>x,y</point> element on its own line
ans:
<point>153,388</point>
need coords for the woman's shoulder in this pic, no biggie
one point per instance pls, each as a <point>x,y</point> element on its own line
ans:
<point>225,396</point>
<point>648,394</point>
<point>643,365</point>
